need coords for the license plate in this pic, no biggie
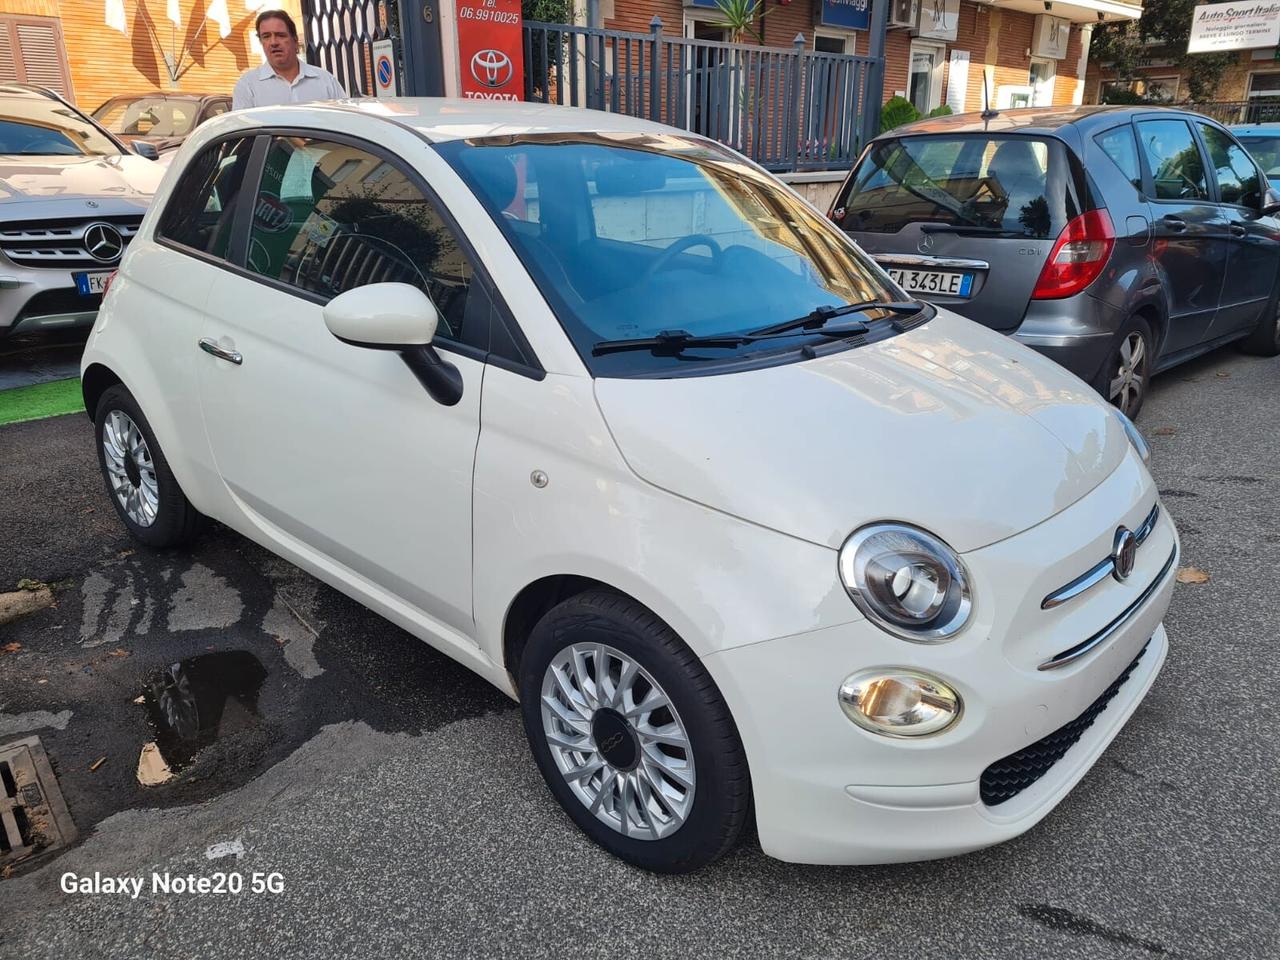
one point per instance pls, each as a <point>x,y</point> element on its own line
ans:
<point>90,283</point>
<point>948,283</point>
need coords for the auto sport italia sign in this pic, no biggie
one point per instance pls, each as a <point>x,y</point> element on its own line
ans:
<point>491,54</point>
<point>1234,26</point>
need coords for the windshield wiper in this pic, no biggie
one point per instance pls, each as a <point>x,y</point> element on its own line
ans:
<point>817,319</point>
<point>674,341</point>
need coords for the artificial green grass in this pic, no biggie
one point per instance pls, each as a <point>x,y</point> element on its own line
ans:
<point>41,400</point>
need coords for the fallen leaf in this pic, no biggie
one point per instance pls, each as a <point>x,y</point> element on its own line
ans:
<point>1163,432</point>
<point>1223,375</point>
<point>140,700</point>
<point>118,652</point>
<point>6,873</point>
<point>152,770</point>
<point>97,763</point>
<point>42,681</point>
<point>1192,575</point>
<point>11,647</point>
<point>125,553</point>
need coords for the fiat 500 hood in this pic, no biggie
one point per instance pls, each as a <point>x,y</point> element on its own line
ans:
<point>87,178</point>
<point>950,427</point>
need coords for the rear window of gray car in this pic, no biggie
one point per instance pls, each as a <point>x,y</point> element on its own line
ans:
<point>1117,143</point>
<point>1006,183</point>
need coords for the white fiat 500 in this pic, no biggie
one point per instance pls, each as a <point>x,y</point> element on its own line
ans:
<point>604,412</point>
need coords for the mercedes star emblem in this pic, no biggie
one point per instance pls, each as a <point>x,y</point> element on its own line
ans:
<point>103,242</point>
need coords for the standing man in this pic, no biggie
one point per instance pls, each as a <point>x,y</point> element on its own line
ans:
<point>283,78</point>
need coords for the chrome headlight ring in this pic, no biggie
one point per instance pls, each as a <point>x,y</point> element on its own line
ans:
<point>907,581</point>
<point>1135,436</point>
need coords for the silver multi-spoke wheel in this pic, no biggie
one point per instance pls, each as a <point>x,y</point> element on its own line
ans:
<point>1129,379</point>
<point>618,741</point>
<point>129,468</point>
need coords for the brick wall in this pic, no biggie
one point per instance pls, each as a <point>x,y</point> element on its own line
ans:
<point>105,63</point>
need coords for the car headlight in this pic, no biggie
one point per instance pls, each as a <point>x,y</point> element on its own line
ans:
<point>906,581</point>
<point>1135,437</point>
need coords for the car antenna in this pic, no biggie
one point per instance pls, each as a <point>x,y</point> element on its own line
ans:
<point>987,112</point>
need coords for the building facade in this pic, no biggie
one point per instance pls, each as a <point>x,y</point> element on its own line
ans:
<point>1024,52</point>
<point>1253,79</point>
<point>67,45</point>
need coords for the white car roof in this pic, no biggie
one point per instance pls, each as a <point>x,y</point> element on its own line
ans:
<point>440,119</point>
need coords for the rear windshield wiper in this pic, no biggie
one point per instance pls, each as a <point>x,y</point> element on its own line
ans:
<point>974,228</point>
<point>817,319</point>
<point>674,341</point>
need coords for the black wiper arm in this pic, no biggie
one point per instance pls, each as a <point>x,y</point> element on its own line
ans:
<point>819,317</point>
<point>669,340</point>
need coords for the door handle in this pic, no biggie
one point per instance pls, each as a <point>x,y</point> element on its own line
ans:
<point>1176,224</point>
<point>1238,231</point>
<point>222,353</point>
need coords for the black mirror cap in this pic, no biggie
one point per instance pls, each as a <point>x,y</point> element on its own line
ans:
<point>144,149</point>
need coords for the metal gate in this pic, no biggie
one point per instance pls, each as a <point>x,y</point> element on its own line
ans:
<point>340,35</point>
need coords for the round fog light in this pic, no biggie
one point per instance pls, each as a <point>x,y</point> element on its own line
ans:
<point>900,703</point>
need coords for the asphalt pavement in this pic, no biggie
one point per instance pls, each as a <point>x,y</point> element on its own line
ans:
<point>391,793</point>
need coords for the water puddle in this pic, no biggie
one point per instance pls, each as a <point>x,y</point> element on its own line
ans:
<point>200,700</point>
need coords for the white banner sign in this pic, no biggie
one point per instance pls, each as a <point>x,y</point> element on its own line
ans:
<point>958,80</point>
<point>1234,26</point>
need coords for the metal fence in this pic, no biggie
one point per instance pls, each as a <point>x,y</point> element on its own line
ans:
<point>1239,111</point>
<point>787,109</point>
<point>339,37</point>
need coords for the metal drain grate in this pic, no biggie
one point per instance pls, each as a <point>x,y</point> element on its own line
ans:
<point>33,816</point>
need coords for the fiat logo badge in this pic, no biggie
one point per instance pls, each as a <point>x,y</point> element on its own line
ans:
<point>1122,557</point>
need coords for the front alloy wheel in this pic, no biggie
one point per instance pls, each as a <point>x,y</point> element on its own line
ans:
<point>631,734</point>
<point>618,741</point>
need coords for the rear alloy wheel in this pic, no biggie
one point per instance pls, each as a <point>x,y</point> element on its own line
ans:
<point>139,482</point>
<point>1127,372</point>
<point>631,734</point>
<point>1265,339</point>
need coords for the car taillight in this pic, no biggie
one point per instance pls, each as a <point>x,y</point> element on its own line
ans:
<point>106,284</point>
<point>1078,256</point>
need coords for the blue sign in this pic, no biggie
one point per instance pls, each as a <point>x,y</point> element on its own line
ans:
<point>850,14</point>
<point>384,71</point>
<point>705,4</point>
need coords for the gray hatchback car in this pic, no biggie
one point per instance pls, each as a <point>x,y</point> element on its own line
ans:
<point>1117,240</point>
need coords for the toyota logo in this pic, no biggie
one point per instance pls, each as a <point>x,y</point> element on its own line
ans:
<point>1122,557</point>
<point>492,68</point>
<point>103,242</point>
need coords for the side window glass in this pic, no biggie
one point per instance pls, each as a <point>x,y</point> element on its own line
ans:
<point>1118,145</point>
<point>202,206</point>
<point>1238,180</point>
<point>1177,169</point>
<point>330,217</point>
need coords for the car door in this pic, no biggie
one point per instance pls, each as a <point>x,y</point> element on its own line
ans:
<point>337,447</point>
<point>1253,255</point>
<point>1189,232</point>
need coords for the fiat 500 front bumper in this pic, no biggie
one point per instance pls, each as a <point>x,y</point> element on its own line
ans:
<point>1032,722</point>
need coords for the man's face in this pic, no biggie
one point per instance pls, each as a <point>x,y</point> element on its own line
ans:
<point>277,43</point>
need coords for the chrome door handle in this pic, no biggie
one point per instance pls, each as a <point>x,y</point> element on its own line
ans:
<point>1238,231</point>
<point>222,353</point>
<point>1176,224</point>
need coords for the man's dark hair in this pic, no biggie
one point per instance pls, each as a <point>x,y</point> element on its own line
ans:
<point>276,15</point>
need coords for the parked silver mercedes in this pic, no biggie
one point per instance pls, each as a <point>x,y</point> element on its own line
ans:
<point>71,197</point>
<point>1117,240</point>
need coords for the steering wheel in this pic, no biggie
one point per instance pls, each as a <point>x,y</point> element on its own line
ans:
<point>680,246</point>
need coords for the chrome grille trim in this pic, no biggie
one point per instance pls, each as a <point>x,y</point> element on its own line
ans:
<point>1096,574</point>
<point>1072,654</point>
<point>59,243</point>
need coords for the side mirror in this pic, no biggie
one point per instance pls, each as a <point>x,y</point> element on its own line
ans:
<point>144,149</point>
<point>383,316</point>
<point>396,316</point>
<point>1270,202</point>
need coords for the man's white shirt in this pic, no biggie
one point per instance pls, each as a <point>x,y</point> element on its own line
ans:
<point>263,87</point>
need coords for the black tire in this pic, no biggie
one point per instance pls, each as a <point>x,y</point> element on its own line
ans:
<point>1265,339</point>
<point>722,785</point>
<point>1133,390</point>
<point>175,520</point>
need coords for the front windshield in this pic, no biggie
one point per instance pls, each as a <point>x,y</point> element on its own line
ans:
<point>1265,150</point>
<point>632,235</point>
<point>47,128</point>
<point>148,116</point>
